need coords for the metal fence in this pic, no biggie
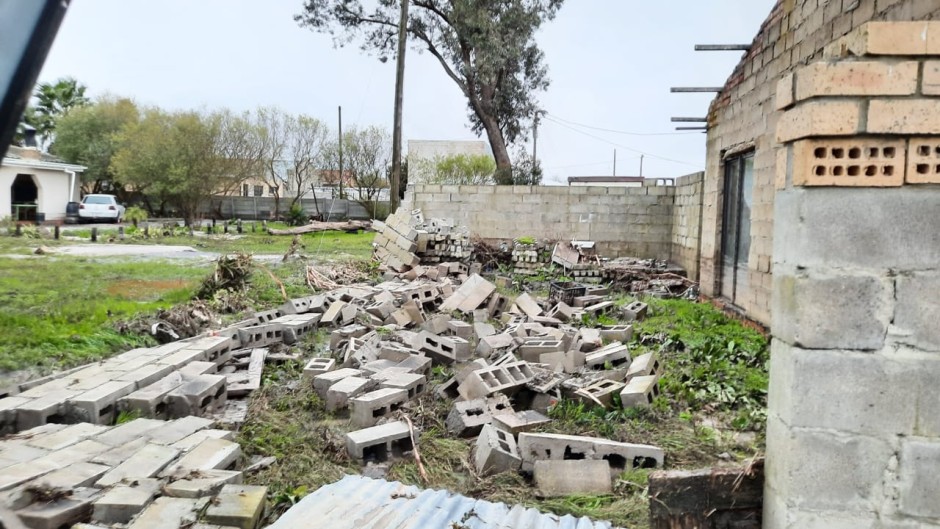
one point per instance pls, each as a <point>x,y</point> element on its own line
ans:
<point>263,208</point>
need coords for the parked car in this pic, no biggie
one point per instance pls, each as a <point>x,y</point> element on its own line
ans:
<point>101,208</point>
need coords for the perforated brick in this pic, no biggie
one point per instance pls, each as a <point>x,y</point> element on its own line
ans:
<point>849,162</point>
<point>923,161</point>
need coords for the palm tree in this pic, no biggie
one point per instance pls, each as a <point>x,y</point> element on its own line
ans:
<point>53,100</point>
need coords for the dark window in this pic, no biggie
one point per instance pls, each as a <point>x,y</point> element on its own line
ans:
<point>245,190</point>
<point>259,191</point>
<point>736,225</point>
<point>272,190</point>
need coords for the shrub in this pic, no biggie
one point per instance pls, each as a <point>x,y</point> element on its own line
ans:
<point>135,214</point>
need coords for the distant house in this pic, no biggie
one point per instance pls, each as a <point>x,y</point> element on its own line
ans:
<point>35,185</point>
<point>422,154</point>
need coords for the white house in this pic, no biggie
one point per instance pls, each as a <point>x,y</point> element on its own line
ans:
<point>33,182</point>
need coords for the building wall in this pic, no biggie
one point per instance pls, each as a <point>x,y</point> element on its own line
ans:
<point>53,186</point>
<point>743,118</point>
<point>624,221</point>
<point>687,222</point>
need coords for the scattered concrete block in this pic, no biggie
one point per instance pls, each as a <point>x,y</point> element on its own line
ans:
<point>130,431</point>
<point>495,451</point>
<point>123,502</point>
<point>413,384</point>
<point>250,381</point>
<point>562,312</point>
<point>635,311</point>
<point>610,356</point>
<point>437,325</point>
<point>146,375</point>
<point>202,484</point>
<point>8,410</point>
<point>150,402</point>
<point>145,463</point>
<point>237,506</point>
<point>395,351</point>
<point>495,343</point>
<point>210,454</point>
<point>169,513</point>
<point>63,512</point>
<point>68,436</point>
<point>590,339</point>
<point>197,396</point>
<point>528,305</point>
<point>81,474</point>
<point>507,378</point>
<point>619,456</point>
<point>417,364</point>
<point>532,349</point>
<point>188,443</point>
<point>99,405</point>
<point>640,392</point>
<point>471,294</point>
<point>344,334</point>
<point>443,349</point>
<point>586,301</point>
<point>377,366</point>
<point>600,393</point>
<point>177,430</point>
<point>261,335</point>
<point>337,397</point>
<point>620,333</point>
<point>460,329</point>
<point>194,369</point>
<point>645,365</point>
<point>323,381</point>
<point>317,366</point>
<point>599,308</point>
<point>49,408</point>
<point>563,478</point>
<point>468,417</point>
<point>520,421</point>
<point>379,443</point>
<point>368,408</point>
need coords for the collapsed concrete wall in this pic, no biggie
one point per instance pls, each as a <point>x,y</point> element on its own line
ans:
<point>853,437</point>
<point>636,222</point>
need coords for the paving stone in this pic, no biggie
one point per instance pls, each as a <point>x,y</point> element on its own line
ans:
<point>122,502</point>
<point>210,454</point>
<point>61,513</point>
<point>203,483</point>
<point>237,506</point>
<point>169,513</point>
<point>146,463</point>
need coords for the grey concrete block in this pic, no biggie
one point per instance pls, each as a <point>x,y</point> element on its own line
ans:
<point>237,506</point>
<point>99,405</point>
<point>418,364</point>
<point>145,463</point>
<point>619,456</point>
<point>75,475</point>
<point>917,474</point>
<point>841,311</point>
<point>495,451</point>
<point>644,365</point>
<point>563,478</point>
<point>367,409</point>
<point>490,345</point>
<point>889,228</point>
<point>640,392</point>
<point>204,483</point>
<point>189,442</point>
<point>210,454</point>
<point>467,418</point>
<point>443,349</point>
<point>317,366</point>
<point>520,421</point>
<point>918,310</point>
<point>614,354</point>
<point>179,429</point>
<point>63,512</point>
<point>121,503</point>
<point>379,443</point>
<point>169,513</point>
<point>413,384</point>
<point>150,402</point>
<point>198,395</point>
<point>600,393</point>
<point>323,381</point>
<point>507,378</point>
<point>67,436</point>
<point>48,408</point>
<point>129,431</point>
<point>339,394</point>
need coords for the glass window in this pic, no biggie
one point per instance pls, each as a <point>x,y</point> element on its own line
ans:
<point>738,199</point>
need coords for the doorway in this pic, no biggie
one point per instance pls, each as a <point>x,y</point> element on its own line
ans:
<point>736,225</point>
<point>24,198</point>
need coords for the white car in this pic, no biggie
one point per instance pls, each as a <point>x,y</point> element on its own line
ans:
<point>101,208</point>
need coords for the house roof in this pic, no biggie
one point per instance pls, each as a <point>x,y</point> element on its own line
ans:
<point>26,157</point>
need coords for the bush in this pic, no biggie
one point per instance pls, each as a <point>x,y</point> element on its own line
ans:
<point>296,215</point>
<point>135,214</point>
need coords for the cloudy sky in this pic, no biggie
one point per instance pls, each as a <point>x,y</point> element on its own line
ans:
<point>611,63</point>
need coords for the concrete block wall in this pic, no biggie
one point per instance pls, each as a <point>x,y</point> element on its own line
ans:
<point>743,118</point>
<point>624,221</point>
<point>687,222</point>
<point>853,437</point>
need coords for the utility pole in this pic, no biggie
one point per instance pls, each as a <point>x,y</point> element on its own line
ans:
<point>641,165</point>
<point>340,109</point>
<point>615,162</point>
<point>399,100</point>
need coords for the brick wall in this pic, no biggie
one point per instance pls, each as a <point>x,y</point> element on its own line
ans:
<point>744,118</point>
<point>687,222</point>
<point>624,221</point>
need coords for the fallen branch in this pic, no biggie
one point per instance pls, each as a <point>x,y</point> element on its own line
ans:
<point>276,280</point>
<point>414,446</point>
<point>316,226</point>
<point>318,281</point>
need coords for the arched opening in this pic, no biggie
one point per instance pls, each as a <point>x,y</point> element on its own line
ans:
<point>24,197</point>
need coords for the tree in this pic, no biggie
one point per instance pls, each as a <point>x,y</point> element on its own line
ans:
<point>88,136</point>
<point>526,171</point>
<point>463,169</point>
<point>487,47</point>
<point>53,101</point>
<point>271,130</point>
<point>367,153</point>
<point>183,158</point>
<point>306,143</point>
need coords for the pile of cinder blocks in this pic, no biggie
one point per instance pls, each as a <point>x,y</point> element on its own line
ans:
<point>529,258</point>
<point>406,239</point>
<point>141,474</point>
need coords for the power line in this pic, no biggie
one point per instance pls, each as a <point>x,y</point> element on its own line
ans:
<point>614,131</point>
<point>631,149</point>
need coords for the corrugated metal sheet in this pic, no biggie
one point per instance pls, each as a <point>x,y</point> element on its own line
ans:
<point>357,502</point>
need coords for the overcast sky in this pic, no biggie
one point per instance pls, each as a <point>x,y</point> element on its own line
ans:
<point>611,63</point>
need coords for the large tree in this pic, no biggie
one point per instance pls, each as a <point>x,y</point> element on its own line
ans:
<point>487,47</point>
<point>88,136</point>
<point>52,102</point>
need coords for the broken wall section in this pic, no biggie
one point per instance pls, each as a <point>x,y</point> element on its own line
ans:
<point>853,435</point>
<point>623,221</point>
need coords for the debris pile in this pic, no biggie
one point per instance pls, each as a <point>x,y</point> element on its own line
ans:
<point>529,258</point>
<point>579,260</point>
<point>407,239</point>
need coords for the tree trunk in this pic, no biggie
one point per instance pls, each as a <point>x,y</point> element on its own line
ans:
<point>500,151</point>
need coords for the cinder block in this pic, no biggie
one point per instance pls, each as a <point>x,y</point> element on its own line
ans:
<point>63,512</point>
<point>317,366</point>
<point>494,344</point>
<point>177,430</point>
<point>368,408</point>
<point>507,379</point>
<point>99,405</point>
<point>640,391</point>
<point>121,503</point>
<point>855,162</point>
<point>323,381</point>
<point>600,393</point>
<point>146,375</point>
<point>261,335</point>
<point>614,354</point>
<point>125,433</point>
<point>210,454</point>
<point>563,478</point>
<point>413,384</point>
<point>495,451</point>
<point>468,417</point>
<point>204,483</point>
<point>70,477</point>
<point>444,349</point>
<point>339,394</point>
<point>635,311</point>
<point>59,439</point>
<point>237,506</point>
<point>379,443</point>
<point>619,456</point>
<point>620,333</point>
<point>532,349</point>
<point>150,402</point>
<point>145,463</point>
<point>461,329</point>
<point>345,333</point>
<point>856,78</point>
<point>520,421</point>
<point>49,408</point>
<point>645,365</point>
<point>923,160</point>
<point>197,396</point>
<point>417,364</point>
<point>170,513</point>
<point>819,118</point>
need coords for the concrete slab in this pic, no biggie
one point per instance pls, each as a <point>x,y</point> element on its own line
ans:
<point>237,506</point>
<point>169,513</point>
<point>202,484</point>
<point>188,443</point>
<point>61,513</point>
<point>121,503</point>
<point>67,436</point>
<point>564,478</point>
<point>210,454</point>
<point>179,429</point>
<point>146,463</point>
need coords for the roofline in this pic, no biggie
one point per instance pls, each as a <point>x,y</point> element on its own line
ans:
<point>39,164</point>
<point>606,179</point>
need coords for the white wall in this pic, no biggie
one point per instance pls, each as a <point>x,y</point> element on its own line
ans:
<point>53,190</point>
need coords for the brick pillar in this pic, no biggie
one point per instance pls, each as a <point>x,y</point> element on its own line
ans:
<point>853,436</point>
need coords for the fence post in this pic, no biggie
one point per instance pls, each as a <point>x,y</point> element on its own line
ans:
<point>94,235</point>
<point>55,232</point>
<point>121,232</point>
<point>18,231</point>
<point>238,226</point>
<point>208,229</point>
